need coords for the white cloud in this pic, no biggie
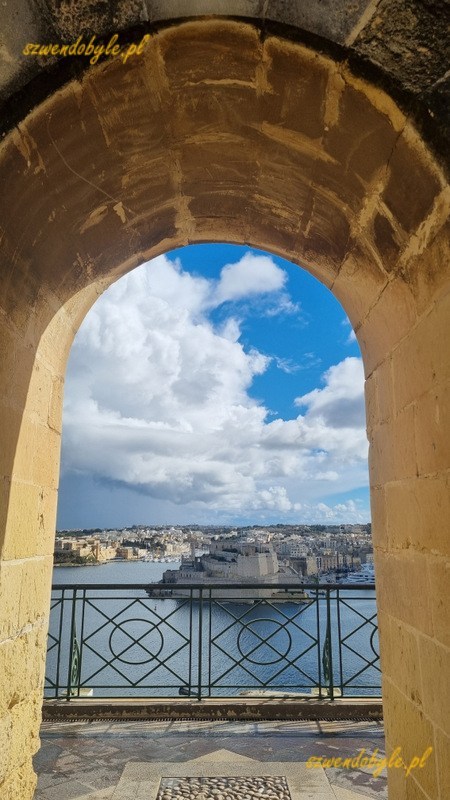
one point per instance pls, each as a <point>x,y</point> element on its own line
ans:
<point>157,400</point>
<point>351,338</point>
<point>253,274</point>
<point>340,403</point>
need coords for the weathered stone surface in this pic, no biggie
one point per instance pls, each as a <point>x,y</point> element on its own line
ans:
<point>360,281</point>
<point>388,239</point>
<point>399,578</point>
<point>20,783</point>
<point>432,430</point>
<point>435,660</point>
<point>407,726</point>
<point>423,269</point>
<point>402,45</point>
<point>372,132</point>
<point>438,583</point>
<point>416,510</point>
<point>400,657</point>
<point>22,673</point>
<point>417,363</point>
<point>442,745</point>
<point>408,38</point>
<point>296,82</point>
<point>25,596</point>
<point>393,449</point>
<point>411,188</point>
<point>32,518</point>
<point>392,316</point>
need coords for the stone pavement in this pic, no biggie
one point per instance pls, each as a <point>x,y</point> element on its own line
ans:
<point>128,760</point>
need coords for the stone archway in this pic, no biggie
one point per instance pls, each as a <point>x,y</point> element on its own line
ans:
<point>215,135</point>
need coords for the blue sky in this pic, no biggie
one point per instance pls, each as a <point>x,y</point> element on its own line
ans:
<point>214,384</point>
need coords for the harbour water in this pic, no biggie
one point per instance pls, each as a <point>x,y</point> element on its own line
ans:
<point>134,645</point>
<point>117,572</point>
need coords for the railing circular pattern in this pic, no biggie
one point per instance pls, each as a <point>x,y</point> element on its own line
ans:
<point>260,641</point>
<point>139,642</point>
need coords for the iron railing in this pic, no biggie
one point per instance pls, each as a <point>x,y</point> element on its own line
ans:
<point>130,641</point>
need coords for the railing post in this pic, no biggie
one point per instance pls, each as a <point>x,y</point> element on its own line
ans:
<point>200,643</point>
<point>71,646</point>
<point>58,650</point>
<point>328,651</point>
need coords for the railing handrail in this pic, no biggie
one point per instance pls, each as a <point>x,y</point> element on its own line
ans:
<point>228,586</point>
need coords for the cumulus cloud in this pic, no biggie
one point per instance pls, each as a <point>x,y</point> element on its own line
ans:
<point>253,274</point>
<point>340,403</point>
<point>157,400</point>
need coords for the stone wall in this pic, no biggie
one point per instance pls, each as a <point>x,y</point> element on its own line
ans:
<point>214,134</point>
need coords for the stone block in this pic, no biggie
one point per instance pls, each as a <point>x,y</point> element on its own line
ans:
<point>37,455</point>
<point>393,451</point>
<point>401,577</point>
<point>442,749</point>
<point>432,430</point>
<point>160,231</point>
<point>55,408</point>
<point>385,390</point>
<point>296,88</point>
<point>388,238</point>
<point>432,496</point>
<point>379,517</point>
<point>224,52</point>
<point>414,791</point>
<point>388,322</point>
<point>30,522</point>
<point>423,271</point>
<point>412,185</point>
<point>206,112</point>
<point>25,593</point>
<point>362,137</point>
<point>23,738</point>
<point>20,784</point>
<point>348,191</point>
<point>234,227</point>
<point>54,344</point>
<point>435,669</point>
<point>438,588</point>
<point>372,405</point>
<point>110,99</point>
<point>400,659</point>
<point>16,366</point>
<point>148,183</point>
<point>408,727</point>
<point>22,666</point>
<point>412,366</point>
<point>228,167</point>
<point>403,516</point>
<point>284,165</point>
<point>396,784</point>
<point>10,423</point>
<point>325,237</point>
<point>360,281</point>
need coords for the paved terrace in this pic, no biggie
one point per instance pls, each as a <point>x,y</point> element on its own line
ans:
<point>144,760</point>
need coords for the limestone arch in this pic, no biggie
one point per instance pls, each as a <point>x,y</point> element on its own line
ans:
<point>215,135</point>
